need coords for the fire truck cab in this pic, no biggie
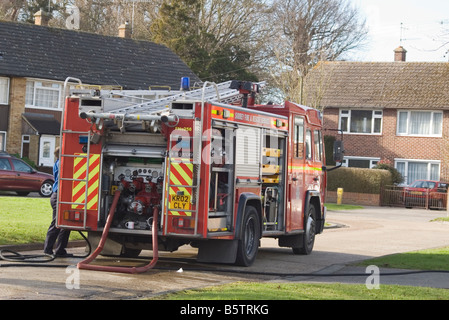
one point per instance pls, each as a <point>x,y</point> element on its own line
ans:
<point>212,174</point>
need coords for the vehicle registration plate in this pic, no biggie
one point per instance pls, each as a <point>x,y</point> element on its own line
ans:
<point>180,202</point>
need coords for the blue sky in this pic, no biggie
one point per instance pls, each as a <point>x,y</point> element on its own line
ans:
<point>425,29</point>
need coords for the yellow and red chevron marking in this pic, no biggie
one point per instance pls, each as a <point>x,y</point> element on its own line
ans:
<point>79,187</point>
<point>181,174</point>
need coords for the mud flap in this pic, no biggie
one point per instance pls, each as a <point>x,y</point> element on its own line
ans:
<point>111,247</point>
<point>293,241</point>
<point>217,251</point>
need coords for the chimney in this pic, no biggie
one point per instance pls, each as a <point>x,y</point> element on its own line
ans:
<point>399,54</point>
<point>41,18</point>
<point>124,31</point>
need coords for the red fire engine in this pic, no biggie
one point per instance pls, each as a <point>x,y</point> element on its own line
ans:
<point>191,168</point>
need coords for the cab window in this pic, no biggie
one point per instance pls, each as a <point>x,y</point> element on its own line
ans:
<point>318,145</point>
<point>298,138</point>
<point>308,144</point>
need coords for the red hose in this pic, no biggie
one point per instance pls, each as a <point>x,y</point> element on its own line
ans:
<point>85,263</point>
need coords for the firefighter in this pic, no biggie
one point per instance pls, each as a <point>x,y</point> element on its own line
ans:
<point>54,234</point>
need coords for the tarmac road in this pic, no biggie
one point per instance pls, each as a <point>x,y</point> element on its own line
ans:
<point>362,234</point>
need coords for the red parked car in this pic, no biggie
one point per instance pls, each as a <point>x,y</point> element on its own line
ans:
<point>18,176</point>
<point>426,193</point>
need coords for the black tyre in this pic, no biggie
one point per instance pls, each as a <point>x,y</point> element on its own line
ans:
<point>407,203</point>
<point>309,232</point>
<point>248,244</point>
<point>46,188</point>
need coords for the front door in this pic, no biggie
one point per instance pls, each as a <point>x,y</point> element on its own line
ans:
<point>46,151</point>
<point>296,176</point>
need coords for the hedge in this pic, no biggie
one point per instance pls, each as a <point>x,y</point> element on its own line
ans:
<point>358,180</point>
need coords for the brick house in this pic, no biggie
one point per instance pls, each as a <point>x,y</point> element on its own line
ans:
<point>36,59</point>
<point>396,112</point>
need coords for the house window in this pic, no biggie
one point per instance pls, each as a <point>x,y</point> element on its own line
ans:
<point>360,162</point>
<point>413,170</point>
<point>420,123</point>
<point>4,90</point>
<point>43,94</point>
<point>25,146</point>
<point>361,121</point>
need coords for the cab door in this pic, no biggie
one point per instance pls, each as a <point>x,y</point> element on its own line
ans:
<point>295,181</point>
<point>313,169</point>
<point>315,161</point>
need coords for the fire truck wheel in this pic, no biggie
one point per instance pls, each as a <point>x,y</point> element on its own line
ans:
<point>248,245</point>
<point>309,233</point>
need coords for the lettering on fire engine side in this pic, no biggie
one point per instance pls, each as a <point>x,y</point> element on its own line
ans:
<point>184,128</point>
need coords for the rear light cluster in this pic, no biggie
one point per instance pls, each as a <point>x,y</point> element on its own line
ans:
<point>184,222</point>
<point>73,215</point>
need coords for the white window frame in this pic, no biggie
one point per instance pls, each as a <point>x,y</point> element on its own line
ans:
<point>373,160</point>
<point>408,134</point>
<point>25,140</point>
<point>346,113</point>
<point>32,95</point>
<point>429,166</point>
<point>4,100</point>
<point>3,140</point>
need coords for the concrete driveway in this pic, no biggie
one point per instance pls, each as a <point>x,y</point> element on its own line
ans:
<point>366,233</point>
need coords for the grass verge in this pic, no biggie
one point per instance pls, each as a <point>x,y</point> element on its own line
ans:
<point>303,291</point>
<point>337,207</point>
<point>430,259</point>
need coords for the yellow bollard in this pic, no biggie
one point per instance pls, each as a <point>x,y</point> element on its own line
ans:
<point>339,195</point>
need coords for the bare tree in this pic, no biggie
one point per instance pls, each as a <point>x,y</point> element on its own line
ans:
<point>316,30</point>
<point>309,31</point>
<point>235,21</point>
<point>10,9</point>
<point>24,10</point>
<point>105,16</point>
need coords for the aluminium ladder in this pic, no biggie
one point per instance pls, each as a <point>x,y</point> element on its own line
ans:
<point>154,109</point>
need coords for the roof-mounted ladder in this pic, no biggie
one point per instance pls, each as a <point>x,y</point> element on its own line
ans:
<point>209,92</point>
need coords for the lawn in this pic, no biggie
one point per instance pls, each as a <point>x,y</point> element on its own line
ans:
<point>431,259</point>
<point>25,220</point>
<point>304,291</point>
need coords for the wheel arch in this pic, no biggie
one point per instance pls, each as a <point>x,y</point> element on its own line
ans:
<point>247,199</point>
<point>314,197</point>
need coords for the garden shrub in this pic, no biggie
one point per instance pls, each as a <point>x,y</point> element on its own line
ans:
<point>358,180</point>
